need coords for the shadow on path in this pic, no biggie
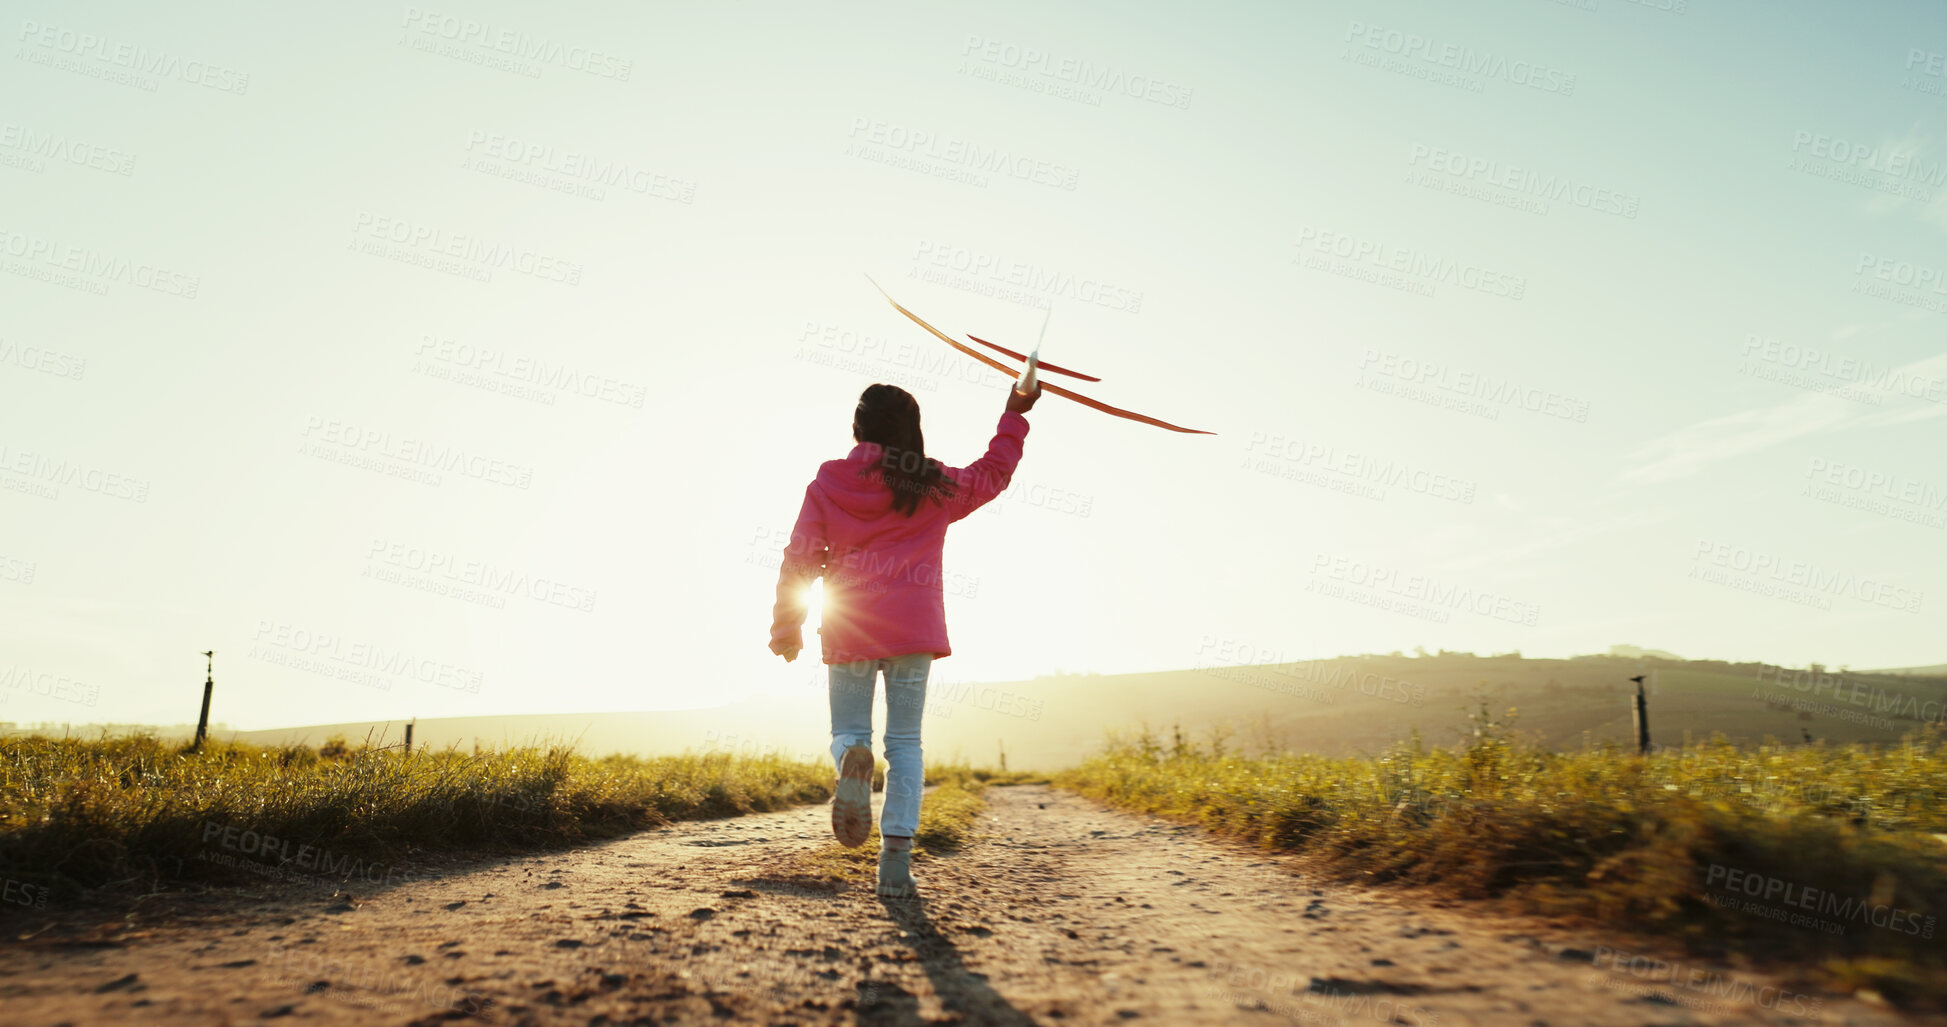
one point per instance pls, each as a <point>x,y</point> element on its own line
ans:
<point>960,990</point>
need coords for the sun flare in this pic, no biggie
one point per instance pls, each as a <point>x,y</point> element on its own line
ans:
<point>814,602</point>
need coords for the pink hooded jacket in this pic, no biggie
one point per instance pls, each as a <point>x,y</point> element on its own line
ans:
<point>883,594</point>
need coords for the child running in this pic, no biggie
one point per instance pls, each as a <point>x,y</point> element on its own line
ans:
<point>874,526</point>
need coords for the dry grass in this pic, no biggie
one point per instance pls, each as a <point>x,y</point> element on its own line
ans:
<point>1657,844</point>
<point>139,812</point>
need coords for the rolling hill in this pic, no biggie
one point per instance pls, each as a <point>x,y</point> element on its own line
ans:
<point>1343,705</point>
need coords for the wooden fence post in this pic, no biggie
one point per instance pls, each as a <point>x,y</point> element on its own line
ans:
<point>209,685</point>
<point>1642,718</point>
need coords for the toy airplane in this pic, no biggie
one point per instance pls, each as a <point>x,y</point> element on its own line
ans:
<point>1029,382</point>
<point>1027,379</point>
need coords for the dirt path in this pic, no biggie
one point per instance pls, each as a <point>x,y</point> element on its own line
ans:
<point>1065,913</point>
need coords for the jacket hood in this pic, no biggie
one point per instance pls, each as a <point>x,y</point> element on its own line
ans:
<point>854,485</point>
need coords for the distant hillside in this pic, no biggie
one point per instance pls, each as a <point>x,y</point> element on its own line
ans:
<point>1347,704</point>
<point>1935,671</point>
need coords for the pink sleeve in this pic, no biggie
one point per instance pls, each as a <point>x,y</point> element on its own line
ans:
<point>987,477</point>
<point>804,560</point>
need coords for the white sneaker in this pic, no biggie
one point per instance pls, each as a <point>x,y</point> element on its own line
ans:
<point>896,874</point>
<point>852,798</point>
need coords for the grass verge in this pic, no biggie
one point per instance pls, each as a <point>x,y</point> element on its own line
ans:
<point>139,812</point>
<point>1833,858</point>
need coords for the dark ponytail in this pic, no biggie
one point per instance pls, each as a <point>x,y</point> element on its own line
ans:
<point>889,416</point>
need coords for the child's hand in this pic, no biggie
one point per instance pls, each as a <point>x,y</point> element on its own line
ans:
<point>1020,404</point>
<point>787,647</point>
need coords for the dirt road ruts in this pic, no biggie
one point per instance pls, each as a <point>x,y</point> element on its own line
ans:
<point>1063,912</point>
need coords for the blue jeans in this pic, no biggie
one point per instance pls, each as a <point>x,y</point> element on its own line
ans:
<point>852,685</point>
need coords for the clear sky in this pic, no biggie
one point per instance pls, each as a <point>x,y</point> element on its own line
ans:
<point>1524,325</point>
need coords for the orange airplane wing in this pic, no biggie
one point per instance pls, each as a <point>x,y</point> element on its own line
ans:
<point>1011,373</point>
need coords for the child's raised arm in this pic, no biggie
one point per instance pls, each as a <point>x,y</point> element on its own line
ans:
<point>987,477</point>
